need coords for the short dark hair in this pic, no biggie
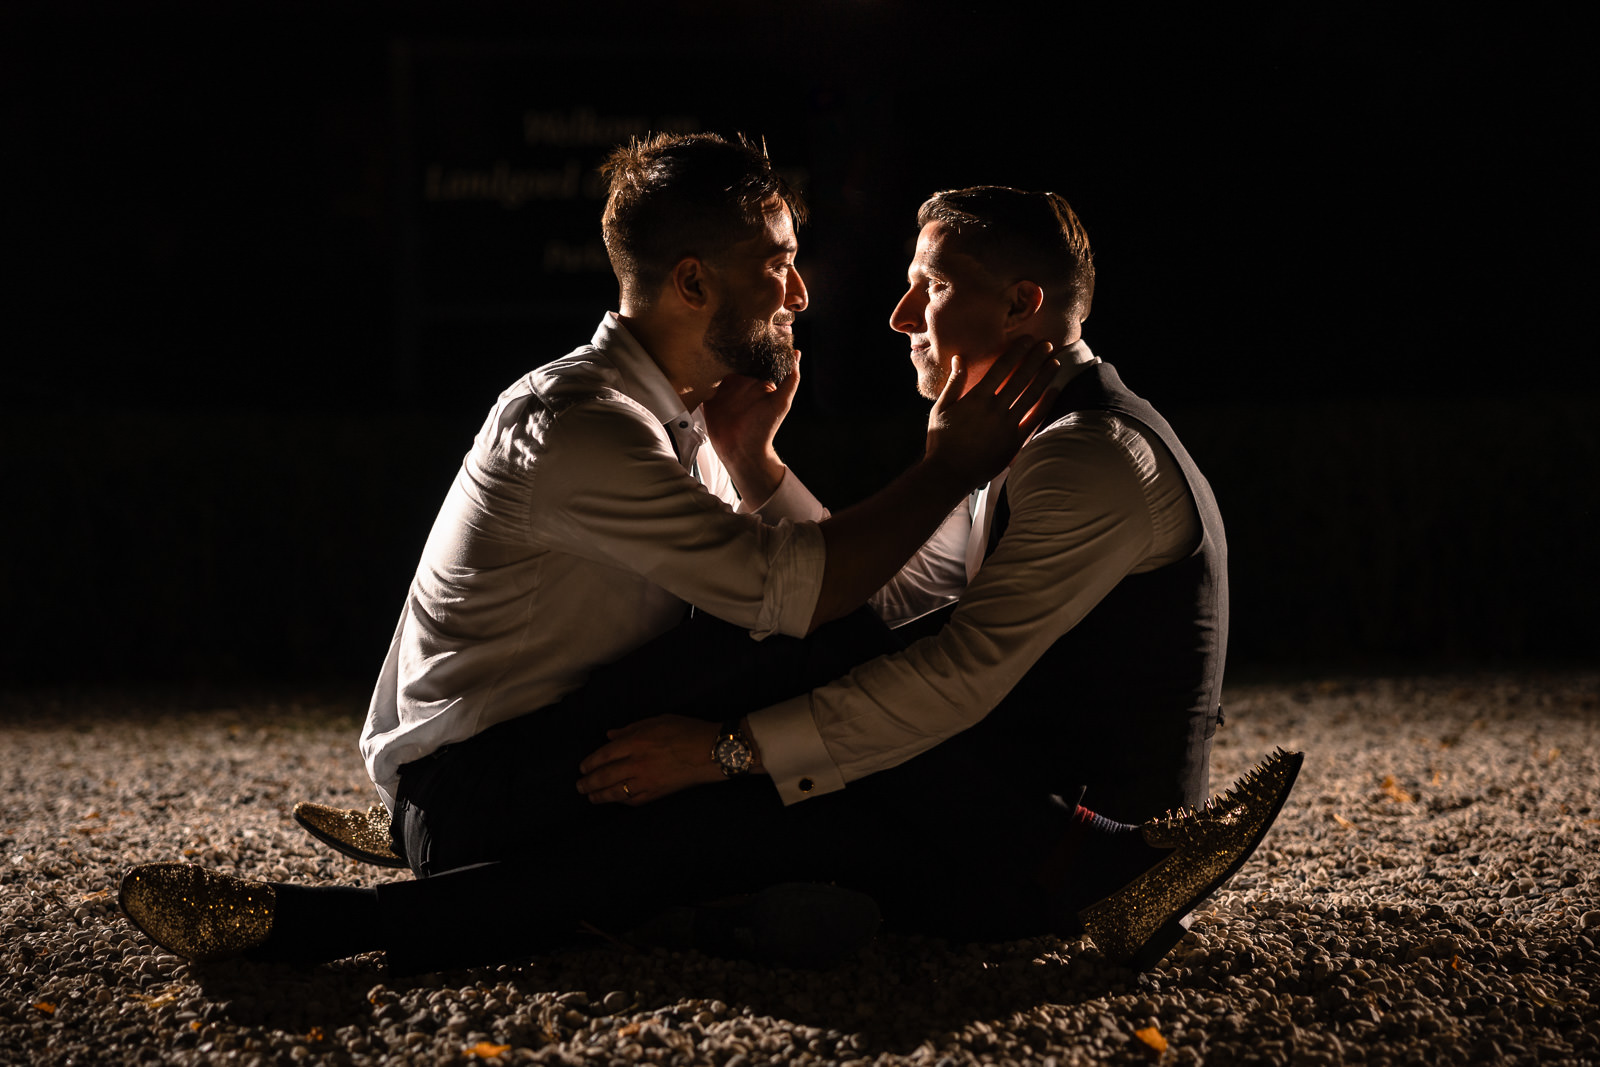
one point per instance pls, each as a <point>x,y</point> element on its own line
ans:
<point>676,195</point>
<point>1029,235</point>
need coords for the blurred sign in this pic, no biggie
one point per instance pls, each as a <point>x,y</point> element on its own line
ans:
<point>500,191</point>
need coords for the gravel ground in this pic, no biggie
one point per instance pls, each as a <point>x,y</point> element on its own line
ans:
<point>1430,894</point>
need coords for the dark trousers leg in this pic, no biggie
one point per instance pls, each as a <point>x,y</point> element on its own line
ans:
<point>512,789</point>
<point>505,803</point>
<point>945,842</point>
<point>1129,764</point>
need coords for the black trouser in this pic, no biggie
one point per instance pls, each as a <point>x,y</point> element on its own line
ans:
<point>510,856</point>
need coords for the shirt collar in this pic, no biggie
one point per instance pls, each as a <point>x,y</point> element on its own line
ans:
<point>1075,358</point>
<point>642,379</point>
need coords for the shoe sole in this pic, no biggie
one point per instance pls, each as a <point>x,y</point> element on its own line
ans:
<point>345,848</point>
<point>1156,947</point>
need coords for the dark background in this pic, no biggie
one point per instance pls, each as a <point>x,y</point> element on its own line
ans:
<point>267,265</point>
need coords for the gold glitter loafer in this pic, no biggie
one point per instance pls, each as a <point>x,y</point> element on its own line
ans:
<point>1138,924</point>
<point>361,835</point>
<point>200,914</point>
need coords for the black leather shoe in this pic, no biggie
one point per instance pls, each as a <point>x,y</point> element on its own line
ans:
<point>793,924</point>
<point>1139,923</point>
<point>361,835</point>
<point>200,914</point>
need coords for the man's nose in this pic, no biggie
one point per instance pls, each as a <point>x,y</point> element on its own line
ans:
<point>796,298</point>
<point>906,316</point>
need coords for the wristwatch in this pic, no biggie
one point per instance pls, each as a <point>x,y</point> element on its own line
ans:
<point>731,751</point>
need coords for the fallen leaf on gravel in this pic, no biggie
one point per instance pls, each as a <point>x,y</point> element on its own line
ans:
<point>1342,821</point>
<point>1455,963</point>
<point>485,1050</point>
<point>1152,1037</point>
<point>1392,789</point>
<point>160,997</point>
<point>630,1029</point>
<point>45,1006</point>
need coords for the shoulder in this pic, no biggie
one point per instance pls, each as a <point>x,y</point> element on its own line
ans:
<point>571,404</point>
<point>1084,453</point>
<point>1089,436</point>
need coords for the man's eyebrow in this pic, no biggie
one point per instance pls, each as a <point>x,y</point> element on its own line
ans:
<point>783,248</point>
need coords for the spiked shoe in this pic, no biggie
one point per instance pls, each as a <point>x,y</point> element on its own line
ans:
<point>361,835</point>
<point>1138,924</point>
<point>200,914</point>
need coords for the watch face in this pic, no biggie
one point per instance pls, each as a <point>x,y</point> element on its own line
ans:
<point>732,755</point>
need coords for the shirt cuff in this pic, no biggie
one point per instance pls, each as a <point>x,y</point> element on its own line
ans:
<point>795,581</point>
<point>792,750</point>
<point>791,500</point>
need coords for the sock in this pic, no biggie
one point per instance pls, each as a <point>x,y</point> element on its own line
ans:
<point>315,924</point>
<point>1094,857</point>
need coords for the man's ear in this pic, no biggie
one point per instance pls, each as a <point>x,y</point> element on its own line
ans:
<point>1023,301</point>
<point>689,283</point>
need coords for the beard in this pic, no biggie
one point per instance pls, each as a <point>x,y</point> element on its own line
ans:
<point>931,376</point>
<point>753,348</point>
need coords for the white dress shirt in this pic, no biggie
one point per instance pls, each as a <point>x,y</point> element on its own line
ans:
<point>574,534</point>
<point>1093,498</point>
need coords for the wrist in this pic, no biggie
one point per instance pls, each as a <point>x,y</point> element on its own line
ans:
<point>756,766</point>
<point>733,751</point>
<point>757,477</point>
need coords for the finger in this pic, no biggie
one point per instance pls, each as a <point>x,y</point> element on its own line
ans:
<point>614,795</point>
<point>628,791</point>
<point>1037,409</point>
<point>955,381</point>
<point>1035,359</point>
<point>602,779</point>
<point>605,754</point>
<point>1043,380</point>
<point>1000,371</point>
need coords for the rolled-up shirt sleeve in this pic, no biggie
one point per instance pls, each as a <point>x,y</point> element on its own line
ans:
<point>1080,521</point>
<point>791,500</point>
<point>607,487</point>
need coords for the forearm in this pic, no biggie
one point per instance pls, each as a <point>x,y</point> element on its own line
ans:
<point>867,544</point>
